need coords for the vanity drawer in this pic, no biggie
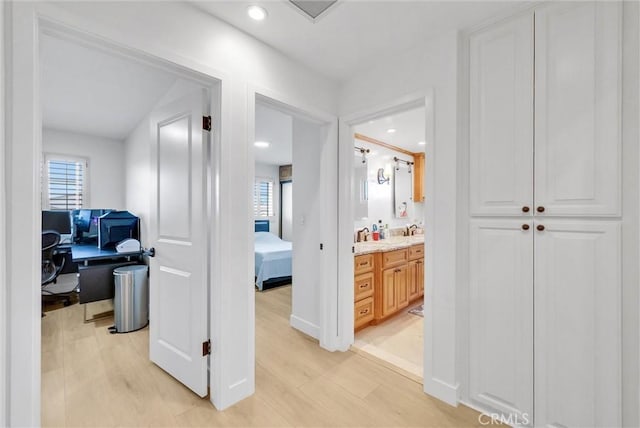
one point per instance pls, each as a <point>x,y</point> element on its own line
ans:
<point>394,258</point>
<point>363,286</point>
<point>363,263</point>
<point>363,312</point>
<point>416,252</point>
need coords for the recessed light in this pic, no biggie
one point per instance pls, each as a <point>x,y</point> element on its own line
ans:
<point>421,143</point>
<point>391,130</point>
<point>256,12</point>
<point>262,144</point>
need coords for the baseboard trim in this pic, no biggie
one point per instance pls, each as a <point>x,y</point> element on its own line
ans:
<point>304,326</point>
<point>442,391</point>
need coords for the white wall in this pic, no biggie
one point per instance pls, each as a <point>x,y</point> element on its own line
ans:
<point>381,196</point>
<point>4,321</point>
<point>106,164</point>
<point>204,44</point>
<point>272,173</point>
<point>433,65</point>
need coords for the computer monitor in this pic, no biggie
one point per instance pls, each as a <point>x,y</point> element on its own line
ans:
<point>86,223</point>
<point>117,226</point>
<point>58,220</point>
<point>82,221</point>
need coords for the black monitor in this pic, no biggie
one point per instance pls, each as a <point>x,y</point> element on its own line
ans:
<point>58,220</point>
<point>117,226</point>
<point>86,223</point>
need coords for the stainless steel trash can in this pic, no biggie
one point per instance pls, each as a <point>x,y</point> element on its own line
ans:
<point>131,301</point>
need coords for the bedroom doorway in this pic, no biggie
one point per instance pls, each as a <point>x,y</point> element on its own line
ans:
<point>293,206</point>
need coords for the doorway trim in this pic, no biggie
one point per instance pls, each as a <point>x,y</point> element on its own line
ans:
<point>29,22</point>
<point>431,385</point>
<point>328,292</point>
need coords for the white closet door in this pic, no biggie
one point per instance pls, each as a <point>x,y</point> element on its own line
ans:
<point>577,109</point>
<point>501,317</point>
<point>501,118</point>
<point>577,323</point>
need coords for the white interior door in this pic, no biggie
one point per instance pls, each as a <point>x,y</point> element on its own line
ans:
<point>501,118</point>
<point>314,222</point>
<point>178,231</point>
<point>577,324</point>
<point>578,105</point>
<point>501,317</point>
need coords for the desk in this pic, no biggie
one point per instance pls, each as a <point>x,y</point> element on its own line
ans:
<point>91,252</point>
<point>95,275</point>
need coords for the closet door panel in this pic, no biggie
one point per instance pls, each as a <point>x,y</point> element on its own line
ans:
<point>501,317</point>
<point>577,109</point>
<point>577,324</point>
<point>501,118</point>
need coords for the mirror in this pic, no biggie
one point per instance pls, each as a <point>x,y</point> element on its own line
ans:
<point>402,192</point>
<point>361,186</point>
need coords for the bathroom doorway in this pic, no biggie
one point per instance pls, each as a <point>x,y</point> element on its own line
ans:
<point>388,199</point>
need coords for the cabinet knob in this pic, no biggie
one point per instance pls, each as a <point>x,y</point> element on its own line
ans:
<point>540,227</point>
<point>540,209</point>
<point>525,227</point>
<point>525,209</point>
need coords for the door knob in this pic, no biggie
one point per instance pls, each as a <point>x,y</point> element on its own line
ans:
<point>525,227</point>
<point>540,227</point>
<point>540,209</point>
<point>525,209</point>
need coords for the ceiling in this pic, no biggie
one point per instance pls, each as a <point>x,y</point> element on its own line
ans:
<point>354,34</point>
<point>89,91</point>
<point>276,128</point>
<point>409,125</point>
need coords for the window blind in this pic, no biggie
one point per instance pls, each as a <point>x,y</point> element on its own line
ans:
<point>263,198</point>
<point>66,183</point>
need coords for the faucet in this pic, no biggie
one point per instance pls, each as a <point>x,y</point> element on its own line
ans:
<point>362,234</point>
<point>411,230</point>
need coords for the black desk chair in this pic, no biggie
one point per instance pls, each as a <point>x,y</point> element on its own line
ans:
<point>52,265</point>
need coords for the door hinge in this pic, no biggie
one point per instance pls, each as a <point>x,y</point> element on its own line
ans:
<point>206,348</point>
<point>353,250</point>
<point>206,123</point>
<point>322,246</point>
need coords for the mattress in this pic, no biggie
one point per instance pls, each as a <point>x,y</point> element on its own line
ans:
<point>272,257</point>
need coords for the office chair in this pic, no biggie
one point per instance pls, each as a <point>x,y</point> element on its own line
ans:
<point>52,265</point>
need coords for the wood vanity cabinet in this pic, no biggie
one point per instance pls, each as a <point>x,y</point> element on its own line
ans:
<point>363,289</point>
<point>386,282</point>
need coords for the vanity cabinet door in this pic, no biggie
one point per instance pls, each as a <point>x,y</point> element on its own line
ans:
<point>416,279</point>
<point>389,296</point>
<point>402,286</point>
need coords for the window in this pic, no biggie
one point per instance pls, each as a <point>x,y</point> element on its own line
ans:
<point>263,198</point>
<point>65,187</point>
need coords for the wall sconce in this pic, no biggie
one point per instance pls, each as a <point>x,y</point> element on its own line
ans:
<point>363,151</point>
<point>381,178</point>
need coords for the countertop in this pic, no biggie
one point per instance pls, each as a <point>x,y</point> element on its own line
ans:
<point>393,243</point>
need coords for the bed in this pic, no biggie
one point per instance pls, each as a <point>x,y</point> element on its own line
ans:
<point>272,258</point>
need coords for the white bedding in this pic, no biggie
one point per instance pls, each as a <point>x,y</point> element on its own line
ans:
<point>272,257</point>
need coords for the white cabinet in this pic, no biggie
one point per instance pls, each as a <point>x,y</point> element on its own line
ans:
<point>501,118</point>
<point>545,310</point>
<point>577,109</point>
<point>577,323</point>
<point>501,316</point>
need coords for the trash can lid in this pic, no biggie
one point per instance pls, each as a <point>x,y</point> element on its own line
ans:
<point>130,268</point>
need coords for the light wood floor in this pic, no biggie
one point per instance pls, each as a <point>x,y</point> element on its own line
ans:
<point>398,341</point>
<point>92,378</point>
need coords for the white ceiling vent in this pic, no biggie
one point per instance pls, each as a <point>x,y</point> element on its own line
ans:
<point>313,9</point>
